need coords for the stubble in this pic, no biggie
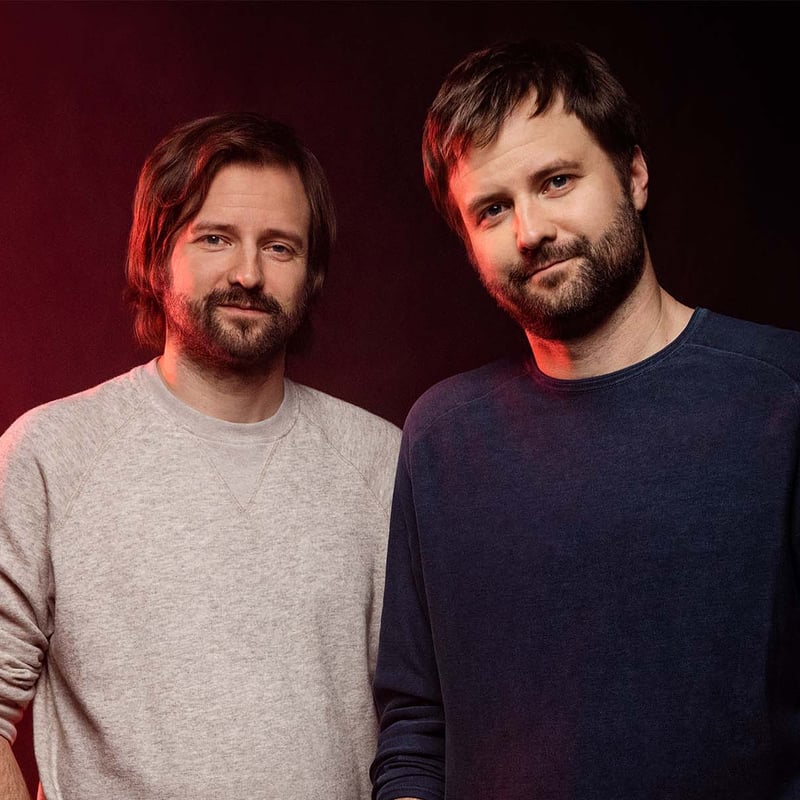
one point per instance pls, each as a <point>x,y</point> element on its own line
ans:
<point>240,345</point>
<point>568,304</point>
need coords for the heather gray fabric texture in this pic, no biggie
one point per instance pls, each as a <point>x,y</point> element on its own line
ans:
<point>193,604</point>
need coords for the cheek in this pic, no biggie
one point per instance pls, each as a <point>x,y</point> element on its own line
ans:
<point>185,276</point>
<point>597,211</point>
<point>288,282</point>
<point>490,252</point>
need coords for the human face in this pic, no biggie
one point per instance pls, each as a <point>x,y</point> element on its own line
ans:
<point>552,230</point>
<point>237,272</point>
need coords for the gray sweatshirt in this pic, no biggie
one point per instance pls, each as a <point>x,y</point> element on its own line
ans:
<point>193,604</point>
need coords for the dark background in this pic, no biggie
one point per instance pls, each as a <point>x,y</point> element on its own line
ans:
<point>88,88</point>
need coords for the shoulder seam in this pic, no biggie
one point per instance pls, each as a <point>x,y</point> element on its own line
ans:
<point>450,409</point>
<point>342,457</point>
<point>112,435</point>
<point>735,354</point>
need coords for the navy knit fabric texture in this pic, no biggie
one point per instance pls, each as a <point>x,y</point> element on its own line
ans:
<point>592,588</point>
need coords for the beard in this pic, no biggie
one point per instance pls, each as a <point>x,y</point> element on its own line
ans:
<point>241,345</point>
<point>566,306</point>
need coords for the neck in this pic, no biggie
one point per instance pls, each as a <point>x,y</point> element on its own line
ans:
<point>644,324</point>
<point>234,396</point>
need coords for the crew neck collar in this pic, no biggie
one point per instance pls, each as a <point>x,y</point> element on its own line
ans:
<point>598,381</point>
<point>208,427</point>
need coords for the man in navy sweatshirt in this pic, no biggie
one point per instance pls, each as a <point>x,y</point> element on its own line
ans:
<point>592,588</point>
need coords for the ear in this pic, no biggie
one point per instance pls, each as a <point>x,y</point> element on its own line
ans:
<point>638,179</point>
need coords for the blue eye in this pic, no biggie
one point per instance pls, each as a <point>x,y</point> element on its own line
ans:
<point>280,251</point>
<point>494,210</point>
<point>559,181</point>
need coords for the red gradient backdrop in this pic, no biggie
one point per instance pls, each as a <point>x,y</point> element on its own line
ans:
<point>87,88</point>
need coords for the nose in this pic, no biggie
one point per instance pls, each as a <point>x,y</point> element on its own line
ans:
<point>532,225</point>
<point>246,268</point>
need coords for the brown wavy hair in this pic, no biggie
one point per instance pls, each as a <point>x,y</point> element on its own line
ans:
<point>173,185</point>
<point>479,94</point>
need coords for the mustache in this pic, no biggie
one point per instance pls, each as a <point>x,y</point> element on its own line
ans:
<point>534,260</point>
<point>247,298</point>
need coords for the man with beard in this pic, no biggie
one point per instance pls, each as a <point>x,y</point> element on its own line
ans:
<point>192,554</point>
<point>591,586</point>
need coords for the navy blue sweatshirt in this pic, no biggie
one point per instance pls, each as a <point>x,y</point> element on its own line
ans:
<point>592,588</point>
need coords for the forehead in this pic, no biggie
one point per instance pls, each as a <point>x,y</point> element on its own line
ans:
<point>524,145</point>
<point>269,194</point>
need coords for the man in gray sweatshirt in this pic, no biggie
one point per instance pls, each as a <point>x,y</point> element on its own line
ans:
<point>192,553</point>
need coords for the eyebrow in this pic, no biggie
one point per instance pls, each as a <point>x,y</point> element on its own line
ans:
<point>482,201</point>
<point>207,226</point>
<point>555,167</point>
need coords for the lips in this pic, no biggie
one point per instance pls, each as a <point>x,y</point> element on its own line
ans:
<point>544,258</point>
<point>552,264</point>
<point>240,307</point>
<point>521,276</point>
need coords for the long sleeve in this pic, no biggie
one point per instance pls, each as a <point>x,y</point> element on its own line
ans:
<point>24,578</point>
<point>129,558</point>
<point>410,755</point>
<point>603,569</point>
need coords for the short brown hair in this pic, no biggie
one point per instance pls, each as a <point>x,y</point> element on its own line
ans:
<point>480,92</point>
<point>174,183</point>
